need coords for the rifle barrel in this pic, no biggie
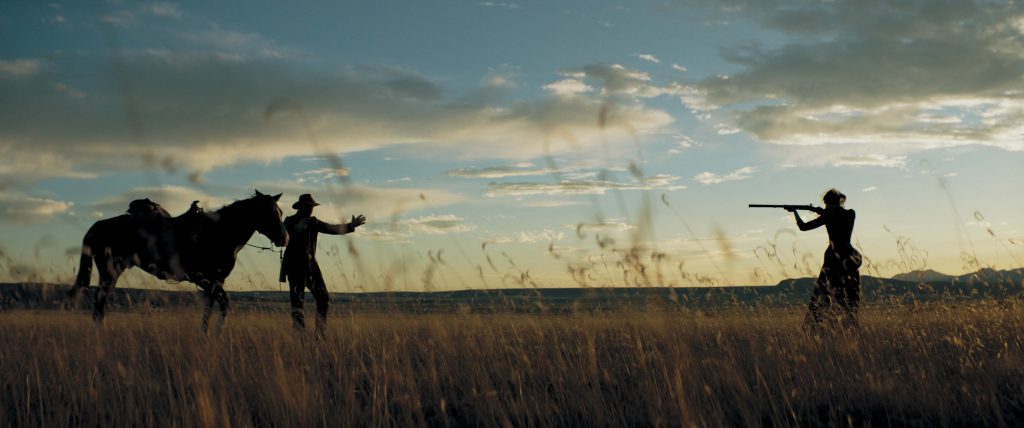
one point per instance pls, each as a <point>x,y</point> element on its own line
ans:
<point>799,207</point>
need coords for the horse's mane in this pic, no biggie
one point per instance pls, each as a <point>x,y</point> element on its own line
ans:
<point>237,205</point>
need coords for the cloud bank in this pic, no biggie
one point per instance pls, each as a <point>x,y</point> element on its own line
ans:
<point>200,110</point>
<point>917,74</point>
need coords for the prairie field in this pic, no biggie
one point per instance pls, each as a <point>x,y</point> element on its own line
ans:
<point>920,365</point>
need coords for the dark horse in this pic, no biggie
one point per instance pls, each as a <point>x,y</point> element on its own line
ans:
<point>197,247</point>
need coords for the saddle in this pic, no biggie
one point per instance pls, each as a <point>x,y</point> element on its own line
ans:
<point>151,216</point>
<point>172,238</point>
<point>145,208</point>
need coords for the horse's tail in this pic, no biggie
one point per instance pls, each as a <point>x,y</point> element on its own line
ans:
<point>84,265</point>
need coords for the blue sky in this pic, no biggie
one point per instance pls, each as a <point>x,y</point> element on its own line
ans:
<point>506,144</point>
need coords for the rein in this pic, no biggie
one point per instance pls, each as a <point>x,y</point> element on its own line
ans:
<point>262,249</point>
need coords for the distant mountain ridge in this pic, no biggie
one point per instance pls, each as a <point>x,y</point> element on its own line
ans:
<point>986,283</point>
<point>927,275</point>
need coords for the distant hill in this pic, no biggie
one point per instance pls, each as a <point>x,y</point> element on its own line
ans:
<point>986,283</point>
<point>927,275</point>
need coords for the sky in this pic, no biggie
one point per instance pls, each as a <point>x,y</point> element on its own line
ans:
<point>523,143</point>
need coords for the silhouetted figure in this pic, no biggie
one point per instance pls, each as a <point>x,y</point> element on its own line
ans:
<point>194,208</point>
<point>195,246</point>
<point>838,287</point>
<point>299,264</point>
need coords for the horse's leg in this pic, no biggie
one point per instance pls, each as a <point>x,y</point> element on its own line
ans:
<point>109,272</point>
<point>222,298</point>
<point>208,309</point>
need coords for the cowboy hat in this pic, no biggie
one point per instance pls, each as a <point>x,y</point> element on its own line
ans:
<point>305,199</point>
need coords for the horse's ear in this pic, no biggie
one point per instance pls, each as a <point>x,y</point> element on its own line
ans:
<point>258,192</point>
<point>277,196</point>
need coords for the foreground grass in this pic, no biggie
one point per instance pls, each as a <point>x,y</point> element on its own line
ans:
<point>930,366</point>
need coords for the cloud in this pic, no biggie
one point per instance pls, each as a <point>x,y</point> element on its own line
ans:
<point>174,199</point>
<point>203,96</point>
<point>163,9</point>
<point>321,174</point>
<point>869,189</point>
<point>548,204</point>
<point>20,67</point>
<point>18,162</point>
<point>199,111</point>
<point>603,227</point>
<point>712,178</point>
<point>617,79</point>
<point>582,187</point>
<point>502,76</point>
<point>379,204</point>
<point>406,229</point>
<point>510,6</point>
<point>499,172</point>
<point>25,209</point>
<point>682,143</point>
<point>678,67</point>
<point>239,44</point>
<point>529,237</point>
<point>648,58</point>
<point>437,224</point>
<point>872,160</point>
<point>568,87</point>
<point>914,74</point>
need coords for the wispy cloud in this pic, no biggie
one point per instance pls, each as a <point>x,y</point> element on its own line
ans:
<point>529,237</point>
<point>20,67</point>
<point>174,199</point>
<point>548,204</point>
<point>406,229</point>
<point>682,143</point>
<point>568,87</point>
<point>648,58</point>
<point>20,208</point>
<point>582,187</point>
<point>242,44</point>
<point>163,9</point>
<point>617,79</point>
<point>712,178</point>
<point>610,226</point>
<point>500,171</point>
<point>510,6</point>
<point>379,204</point>
<point>321,174</point>
<point>878,160</point>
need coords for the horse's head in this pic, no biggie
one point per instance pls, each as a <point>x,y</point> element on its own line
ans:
<point>268,218</point>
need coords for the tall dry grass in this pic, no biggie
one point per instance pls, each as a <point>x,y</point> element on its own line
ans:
<point>934,366</point>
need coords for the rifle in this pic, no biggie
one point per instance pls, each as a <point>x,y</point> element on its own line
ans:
<point>807,207</point>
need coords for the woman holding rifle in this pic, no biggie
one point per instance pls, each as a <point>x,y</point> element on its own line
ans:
<point>837,293</point>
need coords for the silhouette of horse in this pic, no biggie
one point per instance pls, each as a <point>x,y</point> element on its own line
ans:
<point>197,246</point>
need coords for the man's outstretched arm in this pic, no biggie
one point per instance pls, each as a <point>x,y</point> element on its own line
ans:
<point>341,229</point>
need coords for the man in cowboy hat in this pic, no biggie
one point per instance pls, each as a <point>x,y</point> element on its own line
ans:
<point>299,264</point>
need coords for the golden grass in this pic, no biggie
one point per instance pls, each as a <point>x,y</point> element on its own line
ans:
<point>930,366</point>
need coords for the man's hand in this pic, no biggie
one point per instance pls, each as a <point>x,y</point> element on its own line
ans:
<point>358,221</point>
